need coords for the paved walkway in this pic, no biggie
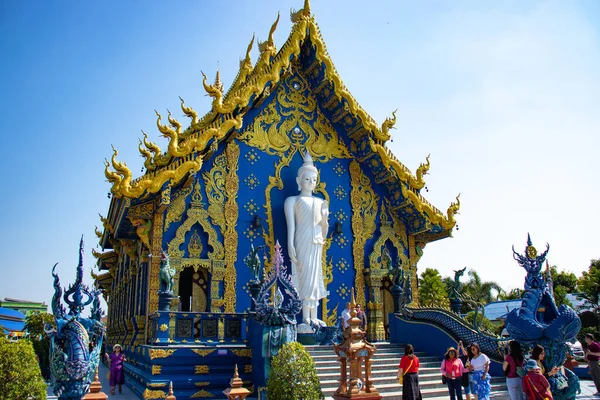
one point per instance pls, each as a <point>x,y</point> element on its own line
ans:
<point>126,395</point>
<point>587,390</point>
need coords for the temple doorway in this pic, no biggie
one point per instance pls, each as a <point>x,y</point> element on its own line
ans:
<point>388,304</point>
<point>193,290</point>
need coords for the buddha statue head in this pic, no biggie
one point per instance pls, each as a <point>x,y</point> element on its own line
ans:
<point>307,174</point>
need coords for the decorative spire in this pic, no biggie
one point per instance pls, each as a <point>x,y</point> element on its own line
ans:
<point>236,389</point>
<point>303,13</point>
<point>171,396</point>
<point>189,112</point>
<point>268,48</point>
<point>218,84</point>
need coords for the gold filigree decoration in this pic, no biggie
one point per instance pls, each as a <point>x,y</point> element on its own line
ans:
<point>157,230</point>
<point>248,368</point>
<point>156,369</point>
<point>143,228</point>
<point>203,352</point>
<point>294,120</point>
<point>154,394</point>
<point>157,385</point>
<point>164,327</point>
<point>196,214</point>
<point>195,245</point>
<point>202,394</point>
<point>177,207</point>
<point>242,352</point>
<point>160,353</point>
<point>201,369</point>
<point>214,182</point>
<point>200,384</point>
<point>364,210</point>
<point>230,236</point>
<point>251,181</point>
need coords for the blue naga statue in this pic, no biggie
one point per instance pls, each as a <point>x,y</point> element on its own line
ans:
<point>540,321</point>
<point>276,315</point>
<point>76,341</point>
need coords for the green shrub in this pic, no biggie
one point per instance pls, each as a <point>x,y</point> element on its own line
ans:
<point>20,376</point>
<point>293,375</point>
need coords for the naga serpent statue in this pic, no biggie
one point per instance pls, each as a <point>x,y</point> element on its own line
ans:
<point>76,341</point>
<point>456,285</point>
<point>540,321</point>
<point>277,315</point>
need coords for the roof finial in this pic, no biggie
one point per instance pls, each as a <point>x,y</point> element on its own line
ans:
<point>297,16</point>
<point>218,83</point>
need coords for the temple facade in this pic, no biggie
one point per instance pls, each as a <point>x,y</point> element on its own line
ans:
<point>218,189</point>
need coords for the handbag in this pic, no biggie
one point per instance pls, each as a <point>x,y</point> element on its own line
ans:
<point>401,380</point>
<point>444,379</point>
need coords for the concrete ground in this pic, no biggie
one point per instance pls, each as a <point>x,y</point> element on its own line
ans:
<point>587,390</point>
<point>126,395</point>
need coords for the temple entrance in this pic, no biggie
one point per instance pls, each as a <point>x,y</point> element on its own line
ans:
<point>388,304</point>
<point>193,290</point>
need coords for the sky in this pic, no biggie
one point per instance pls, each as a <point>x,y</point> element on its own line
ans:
<point>504,95</point>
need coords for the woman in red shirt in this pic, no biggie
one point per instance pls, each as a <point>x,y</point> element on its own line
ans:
<point>408,374</point>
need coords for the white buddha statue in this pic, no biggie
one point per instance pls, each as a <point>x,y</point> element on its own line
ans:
<point>306,218</point>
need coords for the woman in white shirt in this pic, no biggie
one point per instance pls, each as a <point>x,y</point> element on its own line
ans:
<point>480,365</point>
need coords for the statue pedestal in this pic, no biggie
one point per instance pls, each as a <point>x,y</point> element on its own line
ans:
<point>164,301</point>
<point>397,292</point>
<point>455,305</point>
<point>305,334</point>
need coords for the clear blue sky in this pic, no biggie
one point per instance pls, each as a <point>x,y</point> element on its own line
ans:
<point>504,95</point>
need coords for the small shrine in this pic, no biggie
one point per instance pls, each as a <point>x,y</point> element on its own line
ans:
<point>284,155</point>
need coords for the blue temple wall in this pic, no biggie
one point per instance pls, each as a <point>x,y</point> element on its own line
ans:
<point>255,169</point>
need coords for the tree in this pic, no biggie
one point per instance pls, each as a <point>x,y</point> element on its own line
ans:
<point>483,323</point>
<point>589,285</point>
<point>479,291</point>
<point>563,283</point>
<point>293,375</point>
<point>34,325</point>
<point>432,290</point>
<point>514,294</point>
<point>20,377</point>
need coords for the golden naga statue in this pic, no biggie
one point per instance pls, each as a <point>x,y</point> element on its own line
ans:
<point>421,172</point>
<point>303,13</point>
<point>215,92</point>
<point>453,210</point>
<point>189,112</point>
<point>388,124</point>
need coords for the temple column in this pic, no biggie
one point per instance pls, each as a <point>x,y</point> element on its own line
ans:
<point>375,323</point>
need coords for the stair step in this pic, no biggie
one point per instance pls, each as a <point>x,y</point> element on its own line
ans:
<point>428,390</point>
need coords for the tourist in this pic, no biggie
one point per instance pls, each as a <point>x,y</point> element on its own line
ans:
<point>452,369</point>
<point>539,354</point>
<point>479,367</point>
<point>360,314</point>
<point>535,384</point>
<point>513,370</point>
<point>408,374</point>
<point>570,362</point>
<point>115,365</point>
<point>466,357</point>
<point>346,316</point>
<point>592,355</point>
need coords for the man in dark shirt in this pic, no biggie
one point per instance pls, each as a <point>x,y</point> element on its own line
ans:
<point>360,314</point>
<point>592,355</point>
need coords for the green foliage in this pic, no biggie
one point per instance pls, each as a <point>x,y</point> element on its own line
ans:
<point>483,323</point>
<point>479,291</point>
<point>20,376</point>
<point>432,290</point>
<point>589,284</point>
<point>34,324</point>
<point>293,375</point>
<point>514,294</point>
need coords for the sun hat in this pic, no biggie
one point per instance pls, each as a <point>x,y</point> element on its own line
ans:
<point>532,364</point>
<point>115,347</point>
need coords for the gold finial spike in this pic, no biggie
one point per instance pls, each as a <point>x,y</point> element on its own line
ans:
<point>273,28</point>
<point>353,299</point>
<point>170,396</point>
<point>306,9</point>
<point>235,372</point>
<point>218,83</point>
<point>249,49</point>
